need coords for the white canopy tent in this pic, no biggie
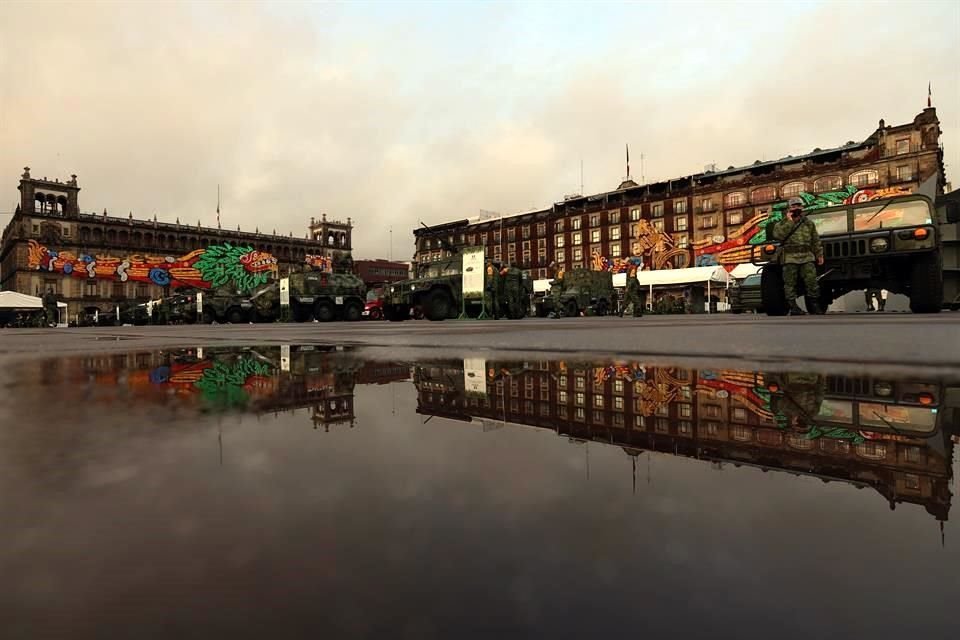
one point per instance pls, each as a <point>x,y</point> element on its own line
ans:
<point>711,276</point>
<point>16,301</point>
<point>743,270</point>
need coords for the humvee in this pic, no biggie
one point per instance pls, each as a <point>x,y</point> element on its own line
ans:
<point>314,294</point>
<point>901,244</point>
<point>580,291</point>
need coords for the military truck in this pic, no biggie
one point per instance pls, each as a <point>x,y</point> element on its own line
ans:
<point>902,244</point>
<point>579,291</point>
<point>437,291</point>
<point>319,295</point>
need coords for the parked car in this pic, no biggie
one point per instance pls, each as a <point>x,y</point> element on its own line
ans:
<point>373,309</point>
<point>745,295</point>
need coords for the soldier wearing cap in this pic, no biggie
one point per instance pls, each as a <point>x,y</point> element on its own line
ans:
<point>801,250</point>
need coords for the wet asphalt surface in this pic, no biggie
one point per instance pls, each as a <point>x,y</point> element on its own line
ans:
<point>466,480</point>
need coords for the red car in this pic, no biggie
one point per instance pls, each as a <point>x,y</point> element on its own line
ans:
<point>373,310</point>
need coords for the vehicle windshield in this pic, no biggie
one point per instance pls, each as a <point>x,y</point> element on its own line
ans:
<point>832,222</point>
<point>900,214</point>
<point>885,416</point>
<point>752,281</point>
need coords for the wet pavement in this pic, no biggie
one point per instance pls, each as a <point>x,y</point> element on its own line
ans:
<point>290,491</point>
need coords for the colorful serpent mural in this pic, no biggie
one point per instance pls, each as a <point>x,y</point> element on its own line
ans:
<point>736,247</point>
<point>215,266</point>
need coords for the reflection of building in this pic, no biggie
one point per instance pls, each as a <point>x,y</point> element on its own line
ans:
<point>93,261</point>
<point>703,219</point>
<point>723,416</point>
<point>256,380</point>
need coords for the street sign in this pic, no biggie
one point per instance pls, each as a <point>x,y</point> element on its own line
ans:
<point>284,292</point>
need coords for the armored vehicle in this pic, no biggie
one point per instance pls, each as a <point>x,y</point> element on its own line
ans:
<point>437,291</point>
<point>580,291</point>
<point>745,295</point>
<point>316,295</point>
<point>901,244</point>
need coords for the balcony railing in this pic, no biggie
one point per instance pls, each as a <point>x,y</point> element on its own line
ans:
<point>900,179</point>
<point>891,151</point>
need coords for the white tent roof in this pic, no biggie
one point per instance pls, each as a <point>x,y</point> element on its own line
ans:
<point>692,275</point>
<point>743,270</point>
<point>16,300</point>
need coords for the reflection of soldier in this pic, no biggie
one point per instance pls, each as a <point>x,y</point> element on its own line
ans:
<point>50,308</point>
<point>799,399</point>
<point>491,291</point>
<point>632,295</point>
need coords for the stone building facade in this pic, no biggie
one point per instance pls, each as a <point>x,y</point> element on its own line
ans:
<point>95,261</point>
<point>710,218</point>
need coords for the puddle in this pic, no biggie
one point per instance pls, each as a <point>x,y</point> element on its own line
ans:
<point>214,491</point>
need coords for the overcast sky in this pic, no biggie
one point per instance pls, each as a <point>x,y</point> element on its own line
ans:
<point>397,112</point>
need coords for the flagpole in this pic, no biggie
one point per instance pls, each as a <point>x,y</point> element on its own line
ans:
<point>218,206</point>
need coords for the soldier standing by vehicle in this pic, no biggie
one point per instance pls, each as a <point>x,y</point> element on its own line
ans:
<point>491,291</point>
<point>511,291</point>
<point>801,249</point>
<point>50,308</point>
<point>632,294</point>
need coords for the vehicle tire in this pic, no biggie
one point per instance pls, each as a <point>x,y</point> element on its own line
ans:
<point>926,284</point>
<point>324,311</point>
<point>773,300</point>
<point>236,316</point>
<point>353,311</point>
<point>438,305</point>
<point>601,309</point>
<point>375,314</point>
<point>208,317</point>
<point>571,310</point>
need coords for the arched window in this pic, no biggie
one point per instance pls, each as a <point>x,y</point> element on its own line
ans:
<point>735,199</point>
<point>112,237</point>
<point>865,178</point>
<point>827,183</point>
<point>124,237</point>
<point>763,194</point>
<point>137,238</point>
<point>97,235</point>
<point>84,234</point>
<point>62,203</point>
<point>39,202</point>
<point>148,239</point>
<point>792,189</point>
<point>872,450</point>
<point>799,442</point>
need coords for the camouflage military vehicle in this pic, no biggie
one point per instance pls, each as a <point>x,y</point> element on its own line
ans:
<point>900,244</point>
<point>316,295</point>
<point>437,291</point>
<point>580,291</point>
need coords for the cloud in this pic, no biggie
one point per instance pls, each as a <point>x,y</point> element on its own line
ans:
<point>391,115</point>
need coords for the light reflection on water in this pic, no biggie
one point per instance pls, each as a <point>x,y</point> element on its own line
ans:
<point>308,489</point>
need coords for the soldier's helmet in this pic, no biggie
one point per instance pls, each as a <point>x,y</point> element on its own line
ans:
<point>794,202</point>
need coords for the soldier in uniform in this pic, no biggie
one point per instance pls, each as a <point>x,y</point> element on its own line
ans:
<point>632,295</point>
<point>491,291</point>
<point>801,249</point>
<point>50,308</point>
<point>511,291</point>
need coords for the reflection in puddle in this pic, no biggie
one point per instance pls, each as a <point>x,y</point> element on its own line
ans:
<point>365,481</point>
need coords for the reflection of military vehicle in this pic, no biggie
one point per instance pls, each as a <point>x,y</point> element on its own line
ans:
<point>314,294</point>
<point>580,291</point>
<point>862,408</point>
<point>899,244</point>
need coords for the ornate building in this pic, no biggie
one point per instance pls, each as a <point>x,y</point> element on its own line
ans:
<point>710,218</point>
<point>93,261</point>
